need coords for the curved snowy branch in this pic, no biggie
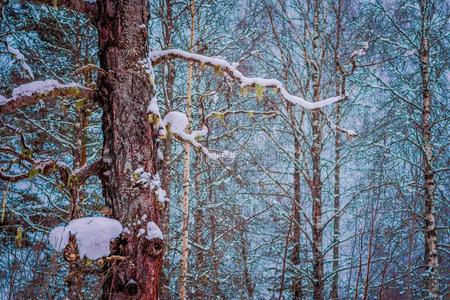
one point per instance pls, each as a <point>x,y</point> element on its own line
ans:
<point>222,65</point>
<point>177,122</point>
<point>35,91</point>
<point>191,138</point>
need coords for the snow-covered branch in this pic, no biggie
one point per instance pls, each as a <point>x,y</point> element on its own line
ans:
<point>348,132</point>
<point>35,91</point>
<point>21,58</point>
<point>177,123</point>
<point>222,65</point>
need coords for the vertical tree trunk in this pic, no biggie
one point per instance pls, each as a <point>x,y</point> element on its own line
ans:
<point>75,278</point>
<point>340,90</point>
<point>297,290</point>
<point>167,146</point>
<point>201,282</point>
<point>431,258</point>
<point>316,149</point>
<point>186,174</point>
<point>129,143</point>
<point>247,277</point>
<point>336,207</point>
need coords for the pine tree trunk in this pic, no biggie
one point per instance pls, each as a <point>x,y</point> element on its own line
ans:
<point>129,143</point>
<point>431,258</point>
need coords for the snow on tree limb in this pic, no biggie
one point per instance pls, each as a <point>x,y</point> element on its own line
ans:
<point>177,122</point>
<point>224,66</point>
<point>35,91</point>
<point>21,58</point>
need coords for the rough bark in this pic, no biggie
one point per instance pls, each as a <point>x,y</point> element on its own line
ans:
<point>336,207</point>
<point>316,182</point>
<point>129,143</point>
<point>297,286</point>
<point>431,258</point>
<point>201,282</point>
<point>340,89</point>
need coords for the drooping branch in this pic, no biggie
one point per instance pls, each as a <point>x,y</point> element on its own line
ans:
<point>87,8</point>
<point>33,92</point>
<point>222,65</point>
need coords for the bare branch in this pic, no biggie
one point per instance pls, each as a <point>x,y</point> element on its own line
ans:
<point>250,113</point>
<point>44,167</point>
<point>87,8</point>
<point>87,171</point>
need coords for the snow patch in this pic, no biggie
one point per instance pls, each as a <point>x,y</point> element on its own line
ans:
<point>177,121</point>
<point>93,235</point>
<point>153,232</point>
<point>141,232</point>
<point>154,182</point>
<point>3,100</point>
<point>153,107</point>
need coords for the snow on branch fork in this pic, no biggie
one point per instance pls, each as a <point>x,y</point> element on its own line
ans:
<point>222,65</point>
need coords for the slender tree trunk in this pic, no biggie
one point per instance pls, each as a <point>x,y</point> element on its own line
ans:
<point>129,143</point>
<point>297,289</point>
<point>431,258</point>
<point>340,89</point>
<point>75,278</point>
<point>247,276</point>
<point>167,146</point>
<point>316,184</point>
<point>201,282</point>
<point>1,11</point>
<point>186,174</point>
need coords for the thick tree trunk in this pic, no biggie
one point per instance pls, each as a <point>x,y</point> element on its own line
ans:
<point>431,258</point>
<point>129,143</point>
